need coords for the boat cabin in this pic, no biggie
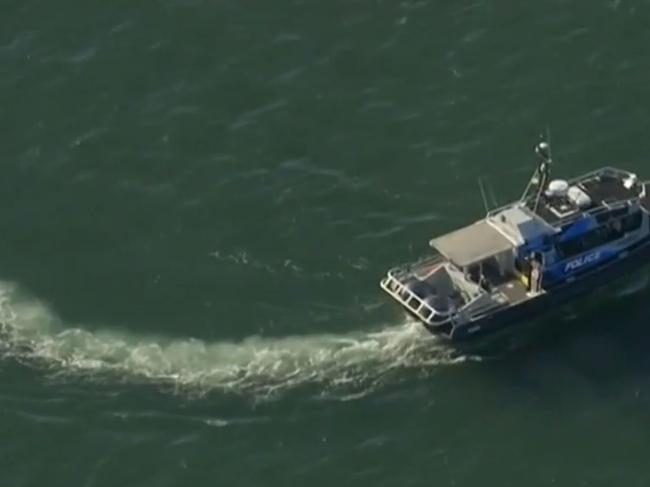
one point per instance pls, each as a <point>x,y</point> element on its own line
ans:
<point>568,228</point>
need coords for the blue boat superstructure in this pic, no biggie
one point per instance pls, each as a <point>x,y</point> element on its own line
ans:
<point>560,240</point>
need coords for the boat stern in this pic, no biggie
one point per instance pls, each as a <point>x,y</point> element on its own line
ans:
<point>421,291</point>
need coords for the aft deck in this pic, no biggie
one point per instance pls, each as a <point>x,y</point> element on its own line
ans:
<point>509,285</point>
<point>514,290</point>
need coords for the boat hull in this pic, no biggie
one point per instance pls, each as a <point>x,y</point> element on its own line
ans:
<point>511,318</point>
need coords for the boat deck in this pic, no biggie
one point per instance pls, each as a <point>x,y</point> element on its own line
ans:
<point>608,189</point>
<point>509,285</point>
<point>514,290</point>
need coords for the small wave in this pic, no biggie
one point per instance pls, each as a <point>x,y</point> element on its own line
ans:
<point>634,286</point>
<point>346,365</point>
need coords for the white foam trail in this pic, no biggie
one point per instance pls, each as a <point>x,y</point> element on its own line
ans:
<point>343,362</point>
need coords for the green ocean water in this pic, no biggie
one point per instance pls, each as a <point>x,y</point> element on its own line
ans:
<point>197,202</point>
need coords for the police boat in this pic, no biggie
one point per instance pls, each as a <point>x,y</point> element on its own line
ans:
<point>562,239</point>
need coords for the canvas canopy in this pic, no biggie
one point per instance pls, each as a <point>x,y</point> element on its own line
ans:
<point>472,244</point>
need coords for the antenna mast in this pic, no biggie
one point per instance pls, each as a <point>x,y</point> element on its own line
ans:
<point>485,201</point>
<point>540,179</point>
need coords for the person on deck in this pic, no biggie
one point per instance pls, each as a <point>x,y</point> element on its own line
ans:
<point>535,276</point>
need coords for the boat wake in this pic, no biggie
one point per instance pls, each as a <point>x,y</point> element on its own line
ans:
<point>634,286</point>
<point>342,365</point>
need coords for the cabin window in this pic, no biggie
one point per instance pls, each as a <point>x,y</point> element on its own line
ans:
<point>598,237</point>
<point>632,222</point>
<point>618,212</point>
<point>615,230</point>
<point>570,248</point>
<point>595,238</point>
<point>603,217</point>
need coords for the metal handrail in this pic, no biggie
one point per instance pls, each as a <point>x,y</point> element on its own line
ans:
<point>578,179</point>
<point>407,268</point>
<point>597,210</point>
<point>597,172</point>
<point>421,304</point>
<point>482,293</point>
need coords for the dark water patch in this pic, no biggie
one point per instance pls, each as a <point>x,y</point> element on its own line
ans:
<point>129,207</point>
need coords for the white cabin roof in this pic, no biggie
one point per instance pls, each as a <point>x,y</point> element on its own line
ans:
<point>521,224</point>
<point>472,244</point>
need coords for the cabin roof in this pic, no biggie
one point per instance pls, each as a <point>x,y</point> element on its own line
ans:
<point>608,188</point>
<point>472,244</point>
<point>604,186</point>
<point>520,224</point>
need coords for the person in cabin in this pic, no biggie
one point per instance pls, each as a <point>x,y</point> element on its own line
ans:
<point>484,283</point>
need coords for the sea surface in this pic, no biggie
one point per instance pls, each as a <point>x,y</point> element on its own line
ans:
<point>198,199</point>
